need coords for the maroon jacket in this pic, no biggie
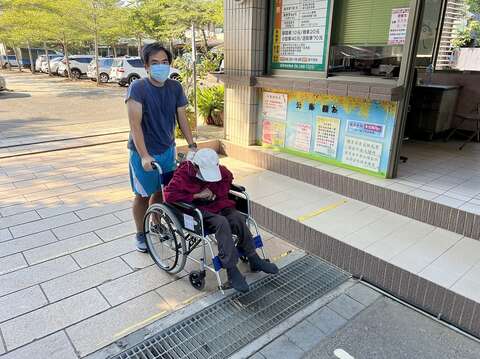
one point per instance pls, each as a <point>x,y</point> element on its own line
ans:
<point>185,184</point>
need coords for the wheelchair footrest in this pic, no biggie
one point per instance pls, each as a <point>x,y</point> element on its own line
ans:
<point>217,263</point>
<point>258,241</point>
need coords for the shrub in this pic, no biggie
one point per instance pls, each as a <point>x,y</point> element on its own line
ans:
<point>210,99</point>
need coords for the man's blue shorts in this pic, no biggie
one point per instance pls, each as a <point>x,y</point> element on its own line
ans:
<point>146,183</point>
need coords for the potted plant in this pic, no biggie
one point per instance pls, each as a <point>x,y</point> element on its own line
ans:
<point>211,104</point>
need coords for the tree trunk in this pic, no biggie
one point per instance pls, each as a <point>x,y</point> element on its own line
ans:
<point>96,55</point>
<point>2,63</point>
<point>48,59</point>
<point>139,44</point>
<point>114,50</point>
<point>65,51</point>
<point>205,41</point>
<point>17,58</point>
<point>128,50</point>
<point>32,65</point>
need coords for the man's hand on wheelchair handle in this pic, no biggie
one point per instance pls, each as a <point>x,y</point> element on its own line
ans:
<point>147,163</point>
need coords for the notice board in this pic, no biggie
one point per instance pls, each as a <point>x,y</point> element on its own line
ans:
<point>300,34</point>
<point>346,131</point>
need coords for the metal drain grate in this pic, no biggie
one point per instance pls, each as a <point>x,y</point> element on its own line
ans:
<point>226,326</point>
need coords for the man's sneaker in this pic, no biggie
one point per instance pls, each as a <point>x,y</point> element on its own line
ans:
<point>141,242</point>
<point>258,264</point>
<point>237,280</point>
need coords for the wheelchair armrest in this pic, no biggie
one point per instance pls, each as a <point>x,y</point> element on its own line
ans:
<point>237,188</point>
<point>184,206</point>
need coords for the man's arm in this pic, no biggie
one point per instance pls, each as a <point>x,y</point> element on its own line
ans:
<point>135,119</point>
<point>183,123</point>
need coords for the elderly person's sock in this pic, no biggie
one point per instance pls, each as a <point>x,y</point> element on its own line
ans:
<point>237,280</point>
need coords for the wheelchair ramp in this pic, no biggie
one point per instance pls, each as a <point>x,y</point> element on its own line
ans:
<point>226,326</point>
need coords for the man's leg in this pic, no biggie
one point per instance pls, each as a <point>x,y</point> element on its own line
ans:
<point>239,227</point>
<point>157,197</point>
<point>226,249</point>
<point>139,208</point>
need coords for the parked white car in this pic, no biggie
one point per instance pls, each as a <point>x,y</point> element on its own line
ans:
<point>105,65</point>
<point>3,84</point>
<point>126,70</point>
<point>54,63</point>
<point>78,65</point>
<point>42,59</point>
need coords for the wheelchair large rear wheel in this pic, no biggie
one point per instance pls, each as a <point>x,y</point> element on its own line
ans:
<point>165,239</point>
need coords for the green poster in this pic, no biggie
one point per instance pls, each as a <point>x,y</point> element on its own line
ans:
<point>300,34</point>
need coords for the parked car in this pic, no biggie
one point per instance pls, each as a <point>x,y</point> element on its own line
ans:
<point>126,70</point>
<point>3,84</point>
<point>105,65</point>
<point>9,60</point>
<point>78,65</point>
<point>54,63</point>
<point>42,59</point>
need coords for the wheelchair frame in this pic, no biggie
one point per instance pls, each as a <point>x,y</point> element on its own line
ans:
<point>186,221</point>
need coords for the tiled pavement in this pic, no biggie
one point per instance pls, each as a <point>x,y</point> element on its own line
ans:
<point>70,281</point>
<point>322,323</point>
<point>438,171</point>
<point>69,278</point>
<point>362,323</point>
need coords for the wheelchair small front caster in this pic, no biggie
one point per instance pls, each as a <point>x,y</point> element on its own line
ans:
<point>197,279</point>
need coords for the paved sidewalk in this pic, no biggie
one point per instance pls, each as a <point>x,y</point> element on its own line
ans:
<point>363,324</point>
<point>70,280</point>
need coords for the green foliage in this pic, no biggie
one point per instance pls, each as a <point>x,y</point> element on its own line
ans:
<point>209,63</point>
<point>469,37</point>
<point>80,21</point>
<point>210,99</point>
<point>191,124</point>
<point>473,6</point>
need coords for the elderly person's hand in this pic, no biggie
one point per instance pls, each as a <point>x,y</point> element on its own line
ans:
<point>205,194</point>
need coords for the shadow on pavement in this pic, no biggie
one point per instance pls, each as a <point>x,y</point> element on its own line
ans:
<point>10,95</point>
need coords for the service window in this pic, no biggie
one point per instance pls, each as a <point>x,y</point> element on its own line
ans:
<point>368,37</point>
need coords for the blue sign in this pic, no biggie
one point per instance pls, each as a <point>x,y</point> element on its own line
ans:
<point>366,128</point>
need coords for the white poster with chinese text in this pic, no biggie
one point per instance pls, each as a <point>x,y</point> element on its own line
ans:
<point>326,136</point>
<point>362,153</point>
<point>398,26</point>
<point>274,106</point>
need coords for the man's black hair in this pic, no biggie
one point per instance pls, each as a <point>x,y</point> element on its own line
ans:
<point>151,49</point>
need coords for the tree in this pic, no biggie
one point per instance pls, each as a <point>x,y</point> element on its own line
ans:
<point>473,6</point>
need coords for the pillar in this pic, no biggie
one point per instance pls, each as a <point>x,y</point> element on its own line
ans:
<point>245,51</point>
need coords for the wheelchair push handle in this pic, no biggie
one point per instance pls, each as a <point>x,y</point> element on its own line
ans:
<point>156,165</point>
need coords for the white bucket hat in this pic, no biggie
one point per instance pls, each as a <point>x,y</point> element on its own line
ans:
<point>207,161</point>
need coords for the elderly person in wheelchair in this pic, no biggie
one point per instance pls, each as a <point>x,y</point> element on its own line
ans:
<point>201,181</point>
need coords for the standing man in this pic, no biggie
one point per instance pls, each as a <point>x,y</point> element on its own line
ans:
<point>154,105</point>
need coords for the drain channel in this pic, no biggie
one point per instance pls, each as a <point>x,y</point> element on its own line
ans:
<point>225,327</point>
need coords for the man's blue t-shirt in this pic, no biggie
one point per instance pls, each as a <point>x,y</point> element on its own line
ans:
<point>159,112</point>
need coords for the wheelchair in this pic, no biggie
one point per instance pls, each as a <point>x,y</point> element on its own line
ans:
<point>174,231</point>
